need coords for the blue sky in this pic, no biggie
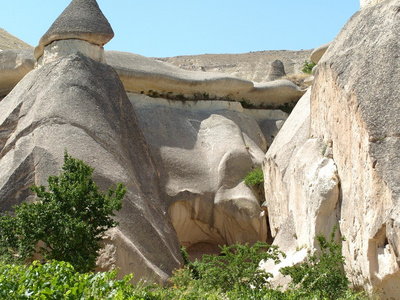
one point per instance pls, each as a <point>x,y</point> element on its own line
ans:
<point>162,28</point>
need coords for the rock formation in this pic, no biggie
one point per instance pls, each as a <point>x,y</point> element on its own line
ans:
<point>79,104</point>
<point>368,3</point>
<point>355,105</point>
<point>276,70</point>
<point>318,52</point>
<point>340,164</point>
<point>14,65</point>
<point>81,27</point>
<point>203,150</point>
<point>183,142</point>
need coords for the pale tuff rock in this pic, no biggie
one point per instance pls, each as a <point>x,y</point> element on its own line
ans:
<point>80,105</point>
<point>74,102</point>
<point>369,3</point>
<point>355,105</point>
<point>301,190</point>
<point>61,48</point>
<point>293,162</point>
<point>141,74</point>
<point>276,70</point>
<point>274,94</point>
<point>144,75</point>
<point>81,20</point>
<point>318,52</point>
<point>14,65</point>
<point>203,151</point>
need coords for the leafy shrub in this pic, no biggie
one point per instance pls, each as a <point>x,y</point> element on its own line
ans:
<point>308,66</point>
<point>322,273</point>
<point>254,178</point>
<point>59,280</point>
<point>237,267</point>
<point>69,219</point>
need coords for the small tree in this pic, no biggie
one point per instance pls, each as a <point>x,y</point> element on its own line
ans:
<point>69,219</point>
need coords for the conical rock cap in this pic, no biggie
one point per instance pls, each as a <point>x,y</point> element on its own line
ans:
<point>82,20</point>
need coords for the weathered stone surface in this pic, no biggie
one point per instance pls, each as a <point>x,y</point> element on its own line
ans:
<point>14,65</point>
<point>276,70</point>
<point>368,3</point>
<point>274,94</point>
<point>82,20</point>
<point>293,162</point>
<point>301,189</point>
<point>270,121</point>
<point>57,49</point>
<point>318,52</point>
<point>355,105</point>
<point>80,105</point>
<point>142,74</point>
<point>203,151</point>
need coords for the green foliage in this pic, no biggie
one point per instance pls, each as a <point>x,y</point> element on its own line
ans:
<point>254,178</point>
<point>69,219</point>
<point>237,267</point>
<point>59,280</point>
<point>308,66</point>
<point>322,273</point>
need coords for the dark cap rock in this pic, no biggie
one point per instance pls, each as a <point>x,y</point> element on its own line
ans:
<point>82,20</point>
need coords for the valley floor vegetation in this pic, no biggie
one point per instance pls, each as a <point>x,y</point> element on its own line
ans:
<point>74,212</point>
<point>234,274</point>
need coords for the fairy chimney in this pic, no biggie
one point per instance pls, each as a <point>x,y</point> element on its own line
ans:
<point>81,27</point>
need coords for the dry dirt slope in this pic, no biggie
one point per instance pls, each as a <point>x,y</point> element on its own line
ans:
<point>8,41</point>
<point>251,66</point>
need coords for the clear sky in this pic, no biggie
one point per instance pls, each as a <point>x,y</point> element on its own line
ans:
<point>162,28</point>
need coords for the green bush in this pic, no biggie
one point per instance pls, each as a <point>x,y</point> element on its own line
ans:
<point>254,178</point>
<point>322,273</point>
<point>69,219</point>
<point>59,280</point>
<point>236,268</point>
<point>308,66</point>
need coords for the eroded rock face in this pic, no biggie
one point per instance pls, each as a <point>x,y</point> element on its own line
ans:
<point>301,185</point>
<point>61,48</point>
<point>318,52</point>
<point>276,70</point>
<point>369,3</point>
<point>14,65</point>
<point>355,105</point>
<point>204,150</point>
<point>78,104</point>
<point>140,74</point>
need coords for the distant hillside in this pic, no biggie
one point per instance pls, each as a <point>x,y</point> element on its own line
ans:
<point>8,41</point>
<point>251,66</point>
